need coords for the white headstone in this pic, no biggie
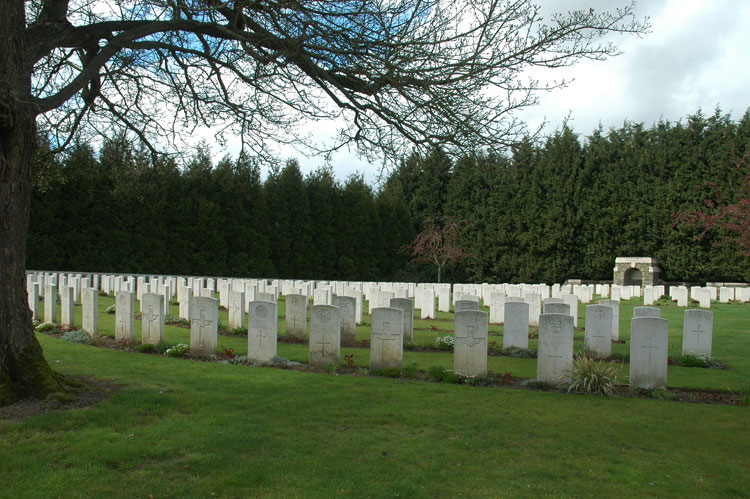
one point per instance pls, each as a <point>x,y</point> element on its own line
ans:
<point>556,308</point>
<point>67,303</point>
<point>615,304</point>
<point>204,325</point>
<point>90,310</point>
<point>697,332</point>
<point>236,300</point>
<point>646,312</point>
<point>571,300</point>
<point>535,307</point>
<point>428,305</point>
<point>296,316</point>
<point>124,315</point>
<point>50,303</point>
<point>325,336</point>
<point>516,325</point>
<point>470,347</point>
<point>599,330</point>
<point>649,338</point>
<point>152,318</point>
<point>466,305</point>
<point>386,343</point>
<point>185,298</point>
<point>407,305</point>
<point>261,330</point>
<point>347,312</point>
<point>555,356</point>
<point>704,297</point>
<point>32,291</point>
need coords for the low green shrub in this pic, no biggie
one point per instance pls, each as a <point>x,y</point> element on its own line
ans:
<point>696,360</point>
<point>536,384</point>
<point>444,342</point>
<point>77,336</point>
<point>146,348</point>
<point>661,394</point>
<point>163,346</point>
<point>593,376</point>
<point>520,353</point>
<point>46,326</point>
<point>111,309</point>
<point>178,350</point>
<point>237,331</point>
<point>172,321</point>
<point>436,373</point>
<point>388,372</point>
<point>410,370</point>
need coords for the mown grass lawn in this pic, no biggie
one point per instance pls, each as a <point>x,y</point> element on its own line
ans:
<point>184,428</point>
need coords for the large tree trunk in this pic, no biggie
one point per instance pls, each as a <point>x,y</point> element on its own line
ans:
<point>23,370</point>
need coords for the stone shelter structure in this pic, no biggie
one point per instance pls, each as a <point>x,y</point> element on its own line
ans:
<point>636,271</point>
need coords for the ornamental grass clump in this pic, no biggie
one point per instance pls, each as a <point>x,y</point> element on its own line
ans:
<point>593,376</point>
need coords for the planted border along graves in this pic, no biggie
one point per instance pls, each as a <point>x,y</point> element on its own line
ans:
<point>483,381</point>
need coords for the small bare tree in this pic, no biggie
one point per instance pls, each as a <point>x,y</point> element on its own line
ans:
<point>400,73</point>
<point>438,242</point>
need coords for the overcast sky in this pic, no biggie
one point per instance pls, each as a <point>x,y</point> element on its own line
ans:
<point>695,57</point>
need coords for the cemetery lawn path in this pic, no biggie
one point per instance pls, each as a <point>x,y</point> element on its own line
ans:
<point>182,428</point>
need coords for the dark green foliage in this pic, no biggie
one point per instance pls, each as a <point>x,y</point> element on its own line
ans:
<point>410,370</point>
<point>389,372</point>
<point>544,212</point>
<point>520,353</point>
<point>146,348</point>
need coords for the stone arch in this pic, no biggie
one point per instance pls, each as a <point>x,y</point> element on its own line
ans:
<point>633,277</point>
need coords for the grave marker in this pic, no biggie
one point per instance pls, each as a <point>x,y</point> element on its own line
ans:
<point>386,344</point>
<point>470,348</point>
<point>261,330</point>
<point>152,318</point>
<point>555,356</point>
<point>204,324</point>
<point>325,335</point>
<point>697,332</point>
<point>648,352</point>
<point>599,330</point>
<point>516,325</point>
<point>124,315</point>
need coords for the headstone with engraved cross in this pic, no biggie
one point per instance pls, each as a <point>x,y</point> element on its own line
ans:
<point>555,356</point>
<point>124,315</point>
<point>599,330</point>
<point>648,352</point>
<point>152,318</point>
<point>325,335</point>
<point>204,322</point>
<point>516,325</point>
<point>697,332</point>
<point>236,309</point>
<point>386,343</point>
<point>67,304</point>
<point>407,305</point>
<point>90,306</point>
<point>262,321</point>
<point>296,315</point>
<point>470,345</point>
<point>347,314</point>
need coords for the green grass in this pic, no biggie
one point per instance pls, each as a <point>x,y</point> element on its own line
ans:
<point>183,428</point>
